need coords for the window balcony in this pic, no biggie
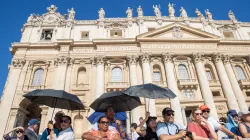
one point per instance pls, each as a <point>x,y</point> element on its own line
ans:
<point>214,83</point>
<point>160,83</point>
<point>81,87</point>
<point>116,86</point>
<point>244,83</point>
<point>187,83</point>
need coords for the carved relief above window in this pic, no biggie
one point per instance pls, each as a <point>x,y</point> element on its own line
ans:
<point>188,94</point>
<point>46,34</point>
<point>228,35</point>
<point>84,35</point>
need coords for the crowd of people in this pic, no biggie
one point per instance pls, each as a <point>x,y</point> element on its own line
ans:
<point>201,127</point>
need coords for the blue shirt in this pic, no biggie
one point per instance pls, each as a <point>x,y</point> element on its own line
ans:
<point>168,128</point>
<point>45,133</point>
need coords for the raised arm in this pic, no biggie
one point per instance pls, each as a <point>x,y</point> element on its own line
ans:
<point>138,129</point>
<point>213,135</point>
<point>228,132</point>
<point>12,130</point>
<point>243,131</point>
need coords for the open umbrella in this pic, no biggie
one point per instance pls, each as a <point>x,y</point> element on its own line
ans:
<point>55,98</point>
<point>150,91</point>
<point>94,117</point>
<point>120,101</point>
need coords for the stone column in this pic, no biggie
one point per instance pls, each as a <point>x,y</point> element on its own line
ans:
<point>9,93</point>
<point>43,123</point>
<point>147,78</point>
<point>204,85</point>
<point>226,85</point>
<point>235,85</point>
<point>132,61</point>
<point>99,75</point>
<point>184,116</point>
<point>172,85</point>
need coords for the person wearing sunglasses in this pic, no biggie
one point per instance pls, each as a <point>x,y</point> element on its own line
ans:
<point>199,126</point>
<point>169,130</point>
<point>19,134</point>
<point>66,132</point>
<point>232,122</point>
<point>244,126</point>
<point>103,132</point>
<point>216,126</point>
<point>56,127</point>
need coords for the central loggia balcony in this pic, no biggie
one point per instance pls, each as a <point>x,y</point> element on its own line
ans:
<point>244,83</point>
<point>81,87</point>
<point>187,83</point>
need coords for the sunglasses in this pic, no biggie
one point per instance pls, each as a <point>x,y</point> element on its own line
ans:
<point>198,114</point>
<point>205,111</point>
<point>236,115</point>
<point>104,123</point>
<point>64,121</point>
<point>19,132</point>
<point>111,110</point>
<point>169,114</point>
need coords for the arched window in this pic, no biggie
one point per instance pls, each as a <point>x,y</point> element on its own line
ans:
<point>81,76</point>
<point>183,72</point>
<point>209,73</point>
<point>240,73</point>
<point>38,77</point>
<point>156,73</point>
<point>116,75</point>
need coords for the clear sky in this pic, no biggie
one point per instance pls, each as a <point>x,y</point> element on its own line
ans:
<point>14,14</point>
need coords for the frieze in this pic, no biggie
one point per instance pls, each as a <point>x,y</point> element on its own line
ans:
<point>243,48</point>
<point>178,46</point>
<point>118,48</point>
<point>83,50</point>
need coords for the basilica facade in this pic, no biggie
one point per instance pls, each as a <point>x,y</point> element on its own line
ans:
<point>202,60</point>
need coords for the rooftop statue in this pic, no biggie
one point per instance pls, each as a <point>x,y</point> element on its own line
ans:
<point>209,15</point>
<point>71,14</point>
<point>157,10</point>
<point>232,16</point>
<point>52,9</point>
<point>139,11</point>
<point>101,13</point>
<point>129,13</point>
<point>171,10</point>
<point>199,15</point>
<point>183,13</point>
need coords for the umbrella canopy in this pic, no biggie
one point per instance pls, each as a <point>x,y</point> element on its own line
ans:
<point>55,98</point>
<point>150,91</point>
<point>120,101</point>
<point>94,117</point>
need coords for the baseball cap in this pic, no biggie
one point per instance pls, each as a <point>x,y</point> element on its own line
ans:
<point>167,109</point>
<point>232,112</point>
<point>204,107</point>
<point>33,122</point>
<point>150,118</point>
<point>245,112</point>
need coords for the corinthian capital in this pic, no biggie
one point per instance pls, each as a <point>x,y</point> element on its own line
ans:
<point>99,60</point>
<point>18,63</point>
<point>145,57</point>
<point>167,57</point>
<point>217,57</point>
<point>198,57</point>
<point>132,59</point>
<point>227,58</point>
<point>62,60</point>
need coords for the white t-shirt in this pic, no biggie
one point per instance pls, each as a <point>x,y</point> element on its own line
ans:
<point>66,134</point>
<point>134,136</point>
<point>213,123</point>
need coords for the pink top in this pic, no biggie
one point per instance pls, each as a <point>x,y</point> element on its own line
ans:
<point>200,130</point>
<point>110,133</point>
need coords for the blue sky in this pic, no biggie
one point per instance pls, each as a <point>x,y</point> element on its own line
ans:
<point>14,14</point>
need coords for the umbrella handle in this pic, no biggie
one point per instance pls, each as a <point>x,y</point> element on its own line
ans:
<point>55,101</point>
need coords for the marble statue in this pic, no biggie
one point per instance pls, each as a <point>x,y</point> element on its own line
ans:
<point>157,10</point>
<point>199,14</point>
<point>171,10</point>
<point>30,18</point>
<point>71,14</point>
<point>52,9</point>
<point>139,11</point>
<point>183,13</point>
<point>101,13</point>
<point>209,15</point>
<point>129,13</point>
<point>232,16</point>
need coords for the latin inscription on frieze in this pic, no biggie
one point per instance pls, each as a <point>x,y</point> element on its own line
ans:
<point>178,46</point>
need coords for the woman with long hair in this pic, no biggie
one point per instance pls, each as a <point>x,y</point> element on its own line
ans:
<point>200,128</point>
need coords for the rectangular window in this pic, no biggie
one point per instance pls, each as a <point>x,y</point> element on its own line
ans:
<point>248,93</point>
<point>209,75</point>
<point>46,34</point>
<point>216,93</point>
<point>157,76</point>
<point>84,35</point>
<point>115,33</point>
<point>228,35</point>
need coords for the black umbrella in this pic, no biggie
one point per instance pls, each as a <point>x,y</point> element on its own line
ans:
<point>150,91</point>
<point>55,98</point>
<point>120,101</point>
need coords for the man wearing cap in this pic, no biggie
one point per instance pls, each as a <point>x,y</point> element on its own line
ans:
<point>30,132</point>
<point>215,124</point>
<point>245,125</point>
<point>168,129</point>
<point>56,127</point>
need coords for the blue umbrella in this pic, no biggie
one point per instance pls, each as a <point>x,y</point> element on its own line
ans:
<point>94,117</point>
